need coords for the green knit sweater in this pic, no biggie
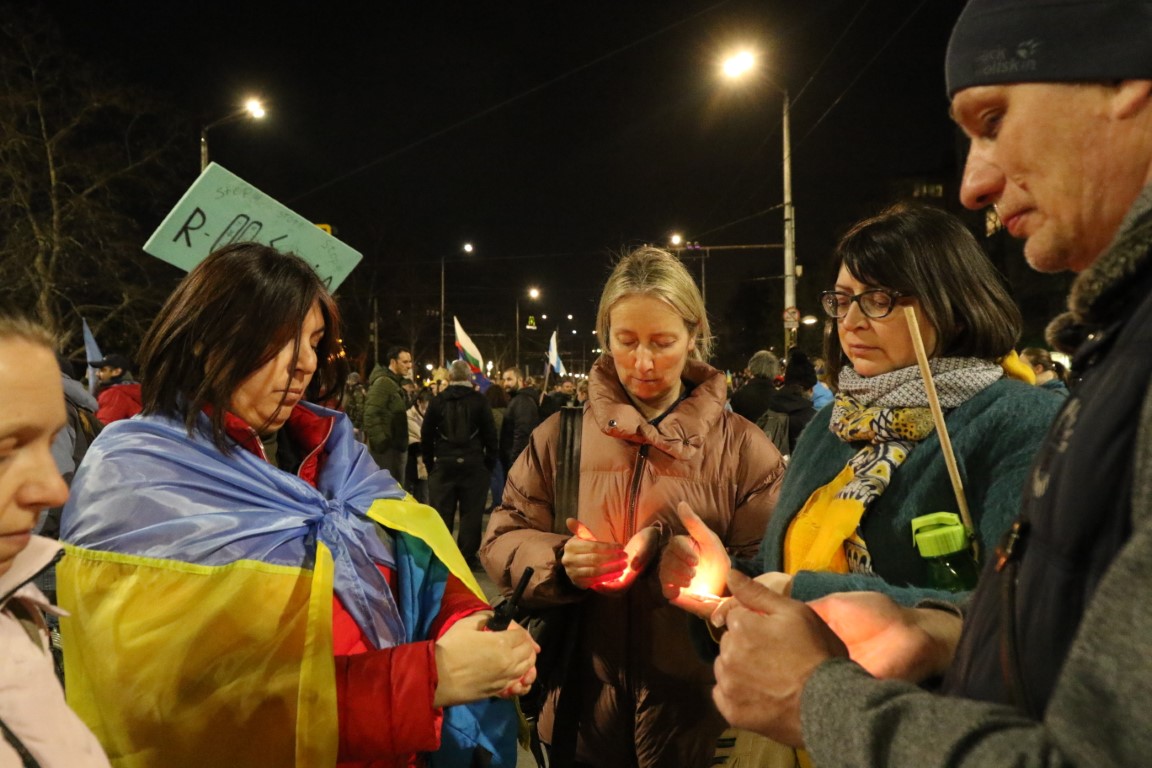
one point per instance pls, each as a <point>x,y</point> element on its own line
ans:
<point>994,435</point>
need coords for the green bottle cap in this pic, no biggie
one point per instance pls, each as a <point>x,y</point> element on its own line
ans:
<point>938,534</point>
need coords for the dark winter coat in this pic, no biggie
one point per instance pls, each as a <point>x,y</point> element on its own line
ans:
<point>482,445</point>
<point>386,411</point>
<point>520,419</point>
<point>795,403</point>
<point>751,400</point>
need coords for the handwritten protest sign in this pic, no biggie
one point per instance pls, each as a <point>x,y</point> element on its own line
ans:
<point>221,208</point>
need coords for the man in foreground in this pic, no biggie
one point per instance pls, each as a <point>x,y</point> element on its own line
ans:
<point>1053,665</point>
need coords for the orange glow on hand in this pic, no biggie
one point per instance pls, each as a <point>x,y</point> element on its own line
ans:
<point>630,550</point>
<point>620,580</point>
<point>709,579</point>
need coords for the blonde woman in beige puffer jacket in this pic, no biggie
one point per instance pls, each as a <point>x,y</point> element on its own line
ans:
<point>655,434</point>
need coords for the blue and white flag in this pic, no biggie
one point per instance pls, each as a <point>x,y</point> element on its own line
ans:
<point>92,354</point>
<point>554,357</point>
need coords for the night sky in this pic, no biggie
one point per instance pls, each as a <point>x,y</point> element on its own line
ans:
<point>551,135</point>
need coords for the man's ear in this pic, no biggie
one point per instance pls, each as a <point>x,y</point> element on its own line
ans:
<point>1132,97</point>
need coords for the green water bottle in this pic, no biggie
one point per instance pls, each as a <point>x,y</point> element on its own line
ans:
<point>943,543</point>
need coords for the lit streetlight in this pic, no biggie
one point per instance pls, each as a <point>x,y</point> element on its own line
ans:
<point>252,108</point>
<point>739,64</point>
<point>467,248</point>
<point>533,293</point>
<point>735,67</point>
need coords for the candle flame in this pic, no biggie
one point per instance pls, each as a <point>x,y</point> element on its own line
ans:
<point>709,579</point>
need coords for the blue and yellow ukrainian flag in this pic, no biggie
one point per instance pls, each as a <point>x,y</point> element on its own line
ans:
<point>200,587</point>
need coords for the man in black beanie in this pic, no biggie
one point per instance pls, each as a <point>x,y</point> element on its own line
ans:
<point>1051,663</point>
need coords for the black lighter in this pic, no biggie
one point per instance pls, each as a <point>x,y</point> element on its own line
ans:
<point>507,610</point>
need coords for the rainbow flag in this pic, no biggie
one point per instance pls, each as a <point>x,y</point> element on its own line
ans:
<point>200,588</point>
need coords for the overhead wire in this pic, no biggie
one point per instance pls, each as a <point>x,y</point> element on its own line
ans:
<point>794,101</point>
<point>864,69</point>
<point>509,101</point>
<point>827,111</point>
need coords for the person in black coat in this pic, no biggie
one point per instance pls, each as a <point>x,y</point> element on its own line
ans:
<point>751,400</point>
<point>795,397</point>
<point>520,419</point>
<point>459,445</point>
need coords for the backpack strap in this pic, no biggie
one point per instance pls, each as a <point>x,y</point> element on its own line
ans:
<point>561,752</point>
<point>566,502</point>
<point>26,758</point>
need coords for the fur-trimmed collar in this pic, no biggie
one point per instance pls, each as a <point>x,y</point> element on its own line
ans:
<point>1098,295</point>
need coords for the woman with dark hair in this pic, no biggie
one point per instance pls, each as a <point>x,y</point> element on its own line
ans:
<point>239,565</point>
<point>658,447</point>
<point>844,519</point>
<point>843,522</point>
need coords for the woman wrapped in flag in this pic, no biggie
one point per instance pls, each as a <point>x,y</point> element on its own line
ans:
<point>246,586</point>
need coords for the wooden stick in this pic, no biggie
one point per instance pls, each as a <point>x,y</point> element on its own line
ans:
<point>941,428</point>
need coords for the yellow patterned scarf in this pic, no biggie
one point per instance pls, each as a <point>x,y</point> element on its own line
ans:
<point>889,414</point>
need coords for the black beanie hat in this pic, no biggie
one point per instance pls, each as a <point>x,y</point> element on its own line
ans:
<point>1049,41</point>
<point>800,370</point>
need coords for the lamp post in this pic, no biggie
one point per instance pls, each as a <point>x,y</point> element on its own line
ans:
<point>252,108</point>
<point>533,293</point>
<point>467,249</point>
<point>735,67</point>
<point>790,326</point>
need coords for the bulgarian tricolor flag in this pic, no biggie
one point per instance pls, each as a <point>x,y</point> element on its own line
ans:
<point>468,350</point>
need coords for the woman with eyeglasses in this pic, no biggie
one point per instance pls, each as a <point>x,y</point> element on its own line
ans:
<point>872,461</point>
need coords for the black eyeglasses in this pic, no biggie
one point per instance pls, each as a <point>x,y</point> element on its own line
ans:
<point>875,303</point>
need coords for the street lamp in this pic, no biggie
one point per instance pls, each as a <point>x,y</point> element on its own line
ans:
<point>736,67</point>
<point>533,293</point>
<point>252,108</point>
<point>467,249</point>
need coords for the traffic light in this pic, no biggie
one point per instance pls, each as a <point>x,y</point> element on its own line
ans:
<point>326,227</point>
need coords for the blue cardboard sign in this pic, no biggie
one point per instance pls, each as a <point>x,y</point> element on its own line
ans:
<point>221,208</point>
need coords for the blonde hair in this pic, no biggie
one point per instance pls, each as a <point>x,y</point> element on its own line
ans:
<point>23,329</point>
<point>654,272</point>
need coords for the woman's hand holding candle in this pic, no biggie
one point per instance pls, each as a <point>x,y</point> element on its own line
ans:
<point>606,566</point>
<point>694,566</point>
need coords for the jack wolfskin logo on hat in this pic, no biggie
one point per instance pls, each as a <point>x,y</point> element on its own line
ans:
<point>1000,61</point>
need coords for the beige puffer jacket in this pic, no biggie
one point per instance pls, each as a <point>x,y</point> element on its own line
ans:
<point>633,474</point>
